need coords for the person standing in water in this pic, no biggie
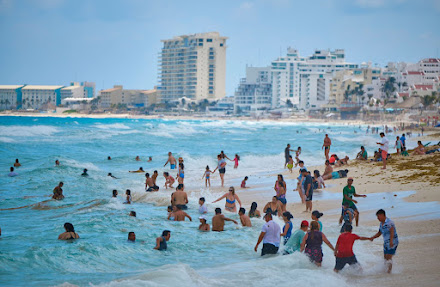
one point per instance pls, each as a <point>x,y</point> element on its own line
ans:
<point>171,160</point>
<point>207,176</point>
<point>344,248</point>
<point>326,145</point>
<point>17,164</point>
<point>245,220</point>
<point>204,226</point>
<point>161,242</point>
<point>218,220</point>
<point>128,198</point>
<point>312,244</point>
<point>70,232</point>
<point>287,151</point>
<point>348,192</point>
<point>236,160</point>
<point>221,166</point>
<point>169,180</point>
<point>180,198</point>
<point>149,184</point>
<point>390,240</point>
<point>270,235</point>
<point>58,191</point>
<point>231,197</point>
<point>294,243</point>
<point>287,229</point>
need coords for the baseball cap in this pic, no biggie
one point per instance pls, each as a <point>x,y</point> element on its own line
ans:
<point>202,217</point>
<point>304,223</point>
<point>350,178</point>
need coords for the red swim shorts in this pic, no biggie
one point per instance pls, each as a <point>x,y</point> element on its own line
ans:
<point>384,154</point>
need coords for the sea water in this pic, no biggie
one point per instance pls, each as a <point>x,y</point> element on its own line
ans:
<point>31,255</point>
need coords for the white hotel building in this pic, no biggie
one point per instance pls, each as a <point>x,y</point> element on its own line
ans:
<point>193,66</point>
<point>36,97</point>
<point>305,81</point>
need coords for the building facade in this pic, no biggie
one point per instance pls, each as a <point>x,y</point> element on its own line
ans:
<point>10,97</point>
<point>305,81</point>
<point>41,97</point>
<point>116,96</point>
<point>254,93</point>
<point>193,66</point>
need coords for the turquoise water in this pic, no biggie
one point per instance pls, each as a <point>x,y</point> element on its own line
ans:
<point>32,255</point>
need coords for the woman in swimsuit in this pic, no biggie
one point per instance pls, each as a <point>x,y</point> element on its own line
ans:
<point>280,188</point>
<point>181,174</point>
<point>70,232</point>
<point>231,197</point>
<point>273,207</point>
<point>254,212</point>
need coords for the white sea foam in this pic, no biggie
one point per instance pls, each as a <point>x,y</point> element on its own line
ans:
<point>82,165</point>
<point>6,140</point>
<point>112,126</point>
<point>28,131</point>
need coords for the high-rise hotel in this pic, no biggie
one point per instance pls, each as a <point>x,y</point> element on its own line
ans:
<point>193,66</point>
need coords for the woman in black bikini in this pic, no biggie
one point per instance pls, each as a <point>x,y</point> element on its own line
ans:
<point>273,207</point>
<point>70,232</point>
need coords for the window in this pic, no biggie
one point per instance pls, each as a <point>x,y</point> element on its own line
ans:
<point>200,44</point>
<point>208,40</point>
<point>221,44</point>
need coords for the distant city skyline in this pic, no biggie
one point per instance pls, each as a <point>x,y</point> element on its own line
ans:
<point>58,41</point>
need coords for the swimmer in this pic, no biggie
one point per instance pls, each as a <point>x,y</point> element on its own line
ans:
<point>179,214</point>
<point>137,171</point>
<point>231,197</point>
<point>128,198</point>
<point>70,232</point>
<point>244,219</point>
<point>161,242</point>
<point>243,183</point>
<point>169,180</point>
<point>154,177</point>
<point>111,175</point>
<point>179,197</point>
<point>17,164</point>
<point>57,162</point>
<point>115,193</point>
<point>202,206</point>
<point>254,212</point>
<point>273,207</point>
<point>109,158</point>
<point>58,192</point>
<point>137,158</point>
<point>12,173</point>
<point>150,159</point>
<point>132,213</point>
<point>171,160</point>
<point>85,172</point>
<point>131,237</point>
<point>149,184</point>
<point>203,225</point>
<point>170,213</point>
<point>207,176</point>
<point>218,220</point>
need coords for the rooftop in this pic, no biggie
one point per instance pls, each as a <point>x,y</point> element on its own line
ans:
<point>35,87</point>
<point>10,87</point>
<point>423,87</point>
<point>415,73</point>
<point>71,88</point>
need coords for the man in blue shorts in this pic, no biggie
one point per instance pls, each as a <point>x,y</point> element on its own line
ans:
<point>390,239</point>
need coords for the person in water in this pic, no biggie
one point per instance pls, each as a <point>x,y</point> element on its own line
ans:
<point>202,206</point>
<point>171,160</point>
<point>180,198</point>
<point>221,166</point>
<point>312,244</point>
<point>58,192</point>
<point>254,212</point>
<point>149,184</point>
<point>207,176</point>
<point>12,173</point>
<point>161,242</point>
<point>344,248</point>
<point>243,183</point>
<point>132,213</point>
<point>57,162</point>
<point>270,235</point>
<point>109,158</point>
<point>294,243</point>
<point>85,172</point>
<point>244,219</point>
<point>348,193</point>
<point>169,180</point>
<point>218,220</point>
<point>287,229</point>
<point>111,175</point>
<point>203,225</point>
<point>316,215</point>
<point>137,158</point>
<point>17,164</point>
<point>231,197</point>
<point>137,171</point>
<point>179,214</point>
<point>115,193</point>
<point>273,207</point>
<point>327,143</point>
<point>70,232</point>
<point>149,159</point>
<point>236,160</point>
<point>181,173</point>
<point>131,237</point>
<point>128,198</point>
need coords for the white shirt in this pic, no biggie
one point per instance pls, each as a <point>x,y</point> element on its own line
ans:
<point>272,230</point>
<point>384,144</point>
<point>203,209</point>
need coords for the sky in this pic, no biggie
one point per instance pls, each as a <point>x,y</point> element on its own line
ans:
<point>112,42</point>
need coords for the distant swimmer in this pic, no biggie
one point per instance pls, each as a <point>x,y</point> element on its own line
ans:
<point>270,235</point>
<point>326,145</point>
<point>114,193</point>
<point>161,242</point>
<point>254,212</point>
<point>57,162</point>
<point>179,214</point>
<point>17,164</point>
<point>149,184</point>
<point>138,158</point>
<point>137,171</point>
<point>390,240</point>
<point>179,198</point>
<point>111,175</point>
<point>294,243</point>
<point>70,232</point>
<point>244,219</point>
<point>221,166</point>
<point>312,244</point>
<point>85,172</point>
<point>218,220</point>
<point>128,197</point>
<point>109,158</point>
<point>204,226</point>
<point>131,237</point>
<point>348,192</point>
<point>207,176</point>
<point>169,180</point>
<point>12,173</point>
<point>132,213</point>
<point>149,159</point>
<point>171,160</point>
<point>58,192</point>
<point>231,197</point>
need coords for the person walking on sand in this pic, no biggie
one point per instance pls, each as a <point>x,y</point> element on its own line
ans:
<point>384,146</point>
<point>344,249</point>
<point>218,220</point>
<point>287,151</point>
<point>312,244</point>
<point>171,160</point>
<point>231,197</point>
<point>270,235</point>
<point>390,240</point>
<point>326,145</point>
<point>207,176</point>
<point>221,166</point>
<point>348,192</point>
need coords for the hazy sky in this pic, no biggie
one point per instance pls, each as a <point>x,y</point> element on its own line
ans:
<point>118,42</point>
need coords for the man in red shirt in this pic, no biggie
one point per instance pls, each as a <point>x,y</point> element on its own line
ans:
<point>344,248</point>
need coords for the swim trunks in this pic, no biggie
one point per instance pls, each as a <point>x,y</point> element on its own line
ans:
<point>153,188</point>
<point>384,154</point>
<point>182,206</point>
<point>222,170</point>
<point>289,165</point>
<point>310,197</point>
<point>182,175</point>
<point>390,251</point>
<point>341,261</point>
<point>282,199</point>
<point>269,248</point>
<point>172,166</point>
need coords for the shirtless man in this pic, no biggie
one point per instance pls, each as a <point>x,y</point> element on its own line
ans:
<point>218,220</point>
<point>149,183</point>
<point>169,180</point>
<point>326,145</point>
<point>154,176</point>
<point>58,191</point>
<point>171,160</point>
<point>179,198</point>
<point>245,220</point>
<point>328,168</point>
<point>203,225</point>
<point>179,214</point>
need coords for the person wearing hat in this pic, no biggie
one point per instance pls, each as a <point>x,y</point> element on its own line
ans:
<point>203,225</point>
<point>270,235</point>
<point>348,192</point>
<point>294,242</point>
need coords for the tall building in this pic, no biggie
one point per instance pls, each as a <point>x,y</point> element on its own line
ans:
<point>10,96</point>
<point>193,66</point>
<point>41,97</point>
<point>305,81</point>
<point>254,93</point>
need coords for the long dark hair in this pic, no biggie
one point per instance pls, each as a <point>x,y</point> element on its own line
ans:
<point>253,208</point>
<point>69,227</point>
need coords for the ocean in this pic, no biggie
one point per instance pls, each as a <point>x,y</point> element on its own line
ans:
<point>31,255</point>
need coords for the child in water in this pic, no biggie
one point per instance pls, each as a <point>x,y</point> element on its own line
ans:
<point>207,176</point>
<point>243,183</point>
<point>297,153</point>
<point>128,193</point>
<point>236,159</point>
<point>290,164</point>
